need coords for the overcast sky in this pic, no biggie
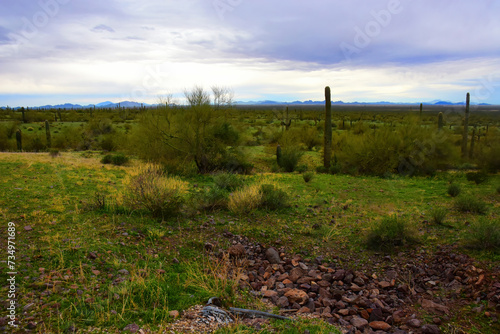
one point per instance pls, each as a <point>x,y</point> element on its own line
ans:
<point>90,51</point>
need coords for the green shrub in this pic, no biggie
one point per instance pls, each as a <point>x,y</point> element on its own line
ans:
<point>119,159</point>
<point>227,181</point>
<point>438,215</point>
<point>273,198</point>
<point>471,204</point>
<point>116,159</point>
<point>290,157</point>
<point>53,152</point>
<point>454,190</point>
<point>308,176</point>
<point>390,232</point>
<point>245,200</point>
<point>152,190</point>
<point>107,159</point>
<point>477,177</point>
<point>484,234</point>
<point>213,198</point>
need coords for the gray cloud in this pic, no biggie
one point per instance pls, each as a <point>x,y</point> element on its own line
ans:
<point>308,38</point>
<point>102,28</point>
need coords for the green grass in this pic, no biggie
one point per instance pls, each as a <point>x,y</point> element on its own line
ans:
<point>325,216</point>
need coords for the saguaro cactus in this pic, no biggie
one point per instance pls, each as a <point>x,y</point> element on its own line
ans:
<point>471,151</point>
<point>47,134</point>
<point>328,128</point>
<point>278,155</point>
<point>19,140</point>
<point>466,127</point>
<point>440,121</point>
<point>421,107</point>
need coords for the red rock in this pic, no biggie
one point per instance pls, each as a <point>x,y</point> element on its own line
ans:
<point>295,274</point>
<point>343,312</point>
<point>430,306</point>
<point>304,309</point>
<point>297,296</point>
<point>270,293</point>
<point>236,251</point>
<point>174,314</point>
<point>380,325</point>
<point>384,284</point>
<point>359,322</point>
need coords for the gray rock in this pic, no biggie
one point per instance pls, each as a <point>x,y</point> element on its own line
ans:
<point>123,271</point>
<point>430,329</point>
<point>359,322</point>
<point>273,256</point>
<point>132,328</point>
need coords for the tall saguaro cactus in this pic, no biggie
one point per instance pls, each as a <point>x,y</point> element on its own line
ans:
<point>328,128</point>
<point>471,150</point>
<point>47,134</point>
<point>466,127</point>
<point>440,121</point>
<point>19,140</point>
<point>420,113</point>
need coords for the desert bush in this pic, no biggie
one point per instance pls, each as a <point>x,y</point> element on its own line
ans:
<point>390,232</point>
<point>115,159</point>
<point>106,159</point>
<point>227,181</point>
<point>308,176</point>
<point>53,152</point>
<point>273,198</point>
<point>119,159</point>
<point>407,149</point>
<point>488,154</point>
<point>454,190</point>
<point>182,137</point>
<point>152,190</point>
<point>477,177</point>
<point>290,157</point>
<point>245,200</point>
<point>484,234</point>
<point>213,198</point>
<point>471,204</point>
<point>438,215</point>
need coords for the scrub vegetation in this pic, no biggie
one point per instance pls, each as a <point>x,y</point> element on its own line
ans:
<point>125,215</point>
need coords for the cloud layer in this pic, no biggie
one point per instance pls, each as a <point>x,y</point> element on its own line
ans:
<point>79,51</point>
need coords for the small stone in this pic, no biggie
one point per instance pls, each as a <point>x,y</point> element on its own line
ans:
<point>273,256</point>
<point>174,314</point>
<point>28,228</point>
<point>96,272</point>
<point>430,329</point>
<point>237,251</point>
<point>282,302</point>
<point>123,271</point>
<point>160,271</point>
<point>359,322</point>
<point>297,296</point>
<point>430,306</point>
<point>384,284</point>
<point>174,260</point>
<point>415,323</point>
<point>270,293</point>
<point>304,309</point>
<point>132,328</point>
<point>92,255</point>
<point>380,325</point>
<point>31,325</point>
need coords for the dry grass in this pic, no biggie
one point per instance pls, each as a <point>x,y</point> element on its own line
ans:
<point>245,200</point>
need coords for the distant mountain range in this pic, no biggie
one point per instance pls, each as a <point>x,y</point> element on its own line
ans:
<point>131,104</point>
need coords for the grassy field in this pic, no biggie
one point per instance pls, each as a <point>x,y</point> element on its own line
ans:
<point>85,261</point>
